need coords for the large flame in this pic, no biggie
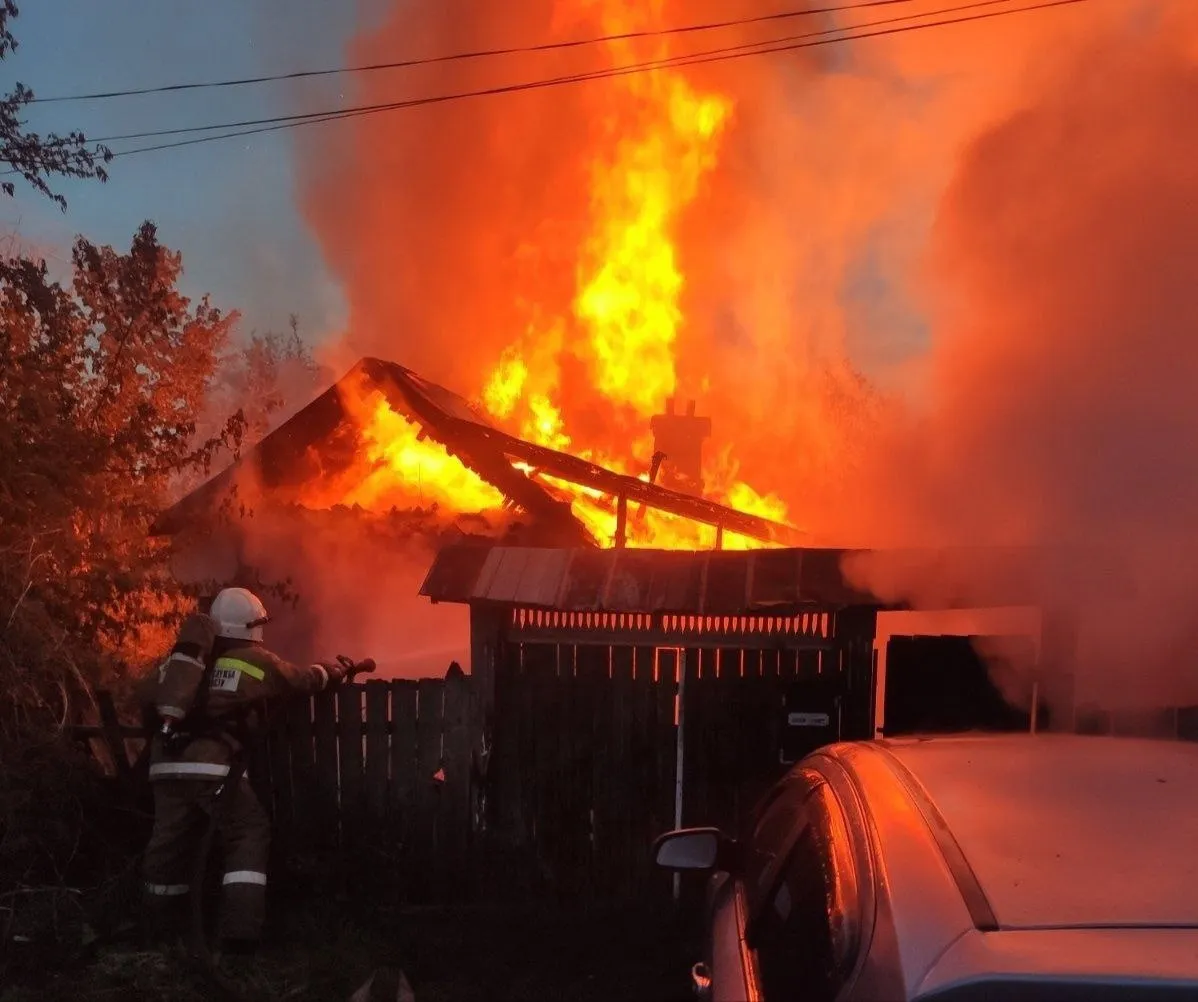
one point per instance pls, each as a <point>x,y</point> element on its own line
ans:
<point>660,137</point>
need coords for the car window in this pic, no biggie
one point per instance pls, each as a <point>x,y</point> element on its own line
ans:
<point>806,928</point>
<point>778,822</point>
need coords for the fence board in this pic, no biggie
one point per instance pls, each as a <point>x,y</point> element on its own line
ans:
<point>377,748</point>
<point>403,760</point>
<point>324,727</point>
<point>723,763</point>
<point>642,783</point>
<point>550,671</point>
<point>697,740</point>
<point>349,749</point>
<point>592,755</point>
<point>280,779</point>
<point>623,802</point>
<point>589,688</point>
<point>455,794</point>
<point>429,697</point>
<point>788,665</point>
<point>504,778</point>
<point>664,728</point>
<point>303,767</point>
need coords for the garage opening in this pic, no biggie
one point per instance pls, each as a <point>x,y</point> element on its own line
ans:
<point>941,684</point>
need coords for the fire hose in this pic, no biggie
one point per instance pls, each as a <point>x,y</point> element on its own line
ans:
<point>237,769</point>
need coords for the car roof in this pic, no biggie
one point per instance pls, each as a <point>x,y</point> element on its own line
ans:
<point>1067,831</point>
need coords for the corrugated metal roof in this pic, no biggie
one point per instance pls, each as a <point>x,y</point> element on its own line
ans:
<point>719,583</point>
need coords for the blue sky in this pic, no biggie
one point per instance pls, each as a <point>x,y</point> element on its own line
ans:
<point>230,206</point>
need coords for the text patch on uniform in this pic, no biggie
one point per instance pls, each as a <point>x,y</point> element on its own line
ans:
<point>225,679</point>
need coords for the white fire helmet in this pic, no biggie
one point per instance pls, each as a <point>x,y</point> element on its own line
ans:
<point>239,614</point>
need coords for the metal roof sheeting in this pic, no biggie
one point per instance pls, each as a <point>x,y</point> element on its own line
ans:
<point>714,582</point>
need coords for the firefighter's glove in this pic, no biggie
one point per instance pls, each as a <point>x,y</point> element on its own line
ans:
<point>335,671</point>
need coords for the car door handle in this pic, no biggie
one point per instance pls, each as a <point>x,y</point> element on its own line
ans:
<point>701,981</point>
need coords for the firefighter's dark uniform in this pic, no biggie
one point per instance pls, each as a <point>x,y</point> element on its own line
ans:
<point>186,784</point>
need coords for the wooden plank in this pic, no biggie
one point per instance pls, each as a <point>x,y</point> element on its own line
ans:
<point>590,664</point>
<point>726,761</point>
<point>621,792</point>
<point>349,747</point>
<point>665,734</point>
<point>698,738</point>
<point>603,823</point>
<point>540,768</point>
<point>278,748</point>
<point>454,813</point>
<point>505,779</point>
<point>553,716</point>
<point>788,666</point>
<point>771,705</point>
<point>403,760</point>
<point>430,693</point>
<point>642,787</point>
<point>303,768</point>
<point>324,725</point>
<point>377,748</point>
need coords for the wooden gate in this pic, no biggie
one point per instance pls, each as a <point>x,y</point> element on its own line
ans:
<point>587,740</point>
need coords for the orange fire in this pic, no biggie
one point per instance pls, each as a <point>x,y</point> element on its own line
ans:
<point>396,467</point>
<point>663,138</point>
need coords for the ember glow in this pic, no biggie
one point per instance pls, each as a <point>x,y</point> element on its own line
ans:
<point>618,333</point>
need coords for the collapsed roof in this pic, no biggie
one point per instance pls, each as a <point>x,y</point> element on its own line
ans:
<point>302,449</point>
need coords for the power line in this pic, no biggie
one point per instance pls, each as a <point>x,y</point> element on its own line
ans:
<point>476,54</point>
<point>770,46</point>
<point>767,47</point>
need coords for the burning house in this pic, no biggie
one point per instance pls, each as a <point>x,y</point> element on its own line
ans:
<point>385,467</point>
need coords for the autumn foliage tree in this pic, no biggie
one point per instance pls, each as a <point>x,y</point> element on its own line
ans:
<point>100,385</point>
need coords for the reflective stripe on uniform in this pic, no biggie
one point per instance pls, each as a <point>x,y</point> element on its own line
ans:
<point>245,877</point>
<point>324,675</point>
<point>167,890</point>
<point>176,656</point>
<point>236,664</point>
<point>192,770</point>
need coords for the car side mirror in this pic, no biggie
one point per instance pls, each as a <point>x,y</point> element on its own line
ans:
<point>694,849</point>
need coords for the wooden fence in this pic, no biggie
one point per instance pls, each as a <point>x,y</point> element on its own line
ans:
<point>587,738</point>
<point>391,764</point>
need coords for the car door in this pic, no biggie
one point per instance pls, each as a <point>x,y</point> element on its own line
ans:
<point>803,929</point>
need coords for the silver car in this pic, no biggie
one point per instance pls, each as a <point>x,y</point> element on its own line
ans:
<point>1040,868</point>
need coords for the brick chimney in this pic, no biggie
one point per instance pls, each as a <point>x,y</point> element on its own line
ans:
<point>680,437</point>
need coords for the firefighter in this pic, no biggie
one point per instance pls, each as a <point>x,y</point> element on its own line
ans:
<point>207,697</point>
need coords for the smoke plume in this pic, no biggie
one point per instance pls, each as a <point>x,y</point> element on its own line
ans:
<point>937,284</point>
<point>1057,409</point>
<point>355,579</point>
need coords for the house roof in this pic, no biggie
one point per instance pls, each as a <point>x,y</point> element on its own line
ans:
<point>778,581</point>
<point>709,582</point>
<point>319,438</point>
